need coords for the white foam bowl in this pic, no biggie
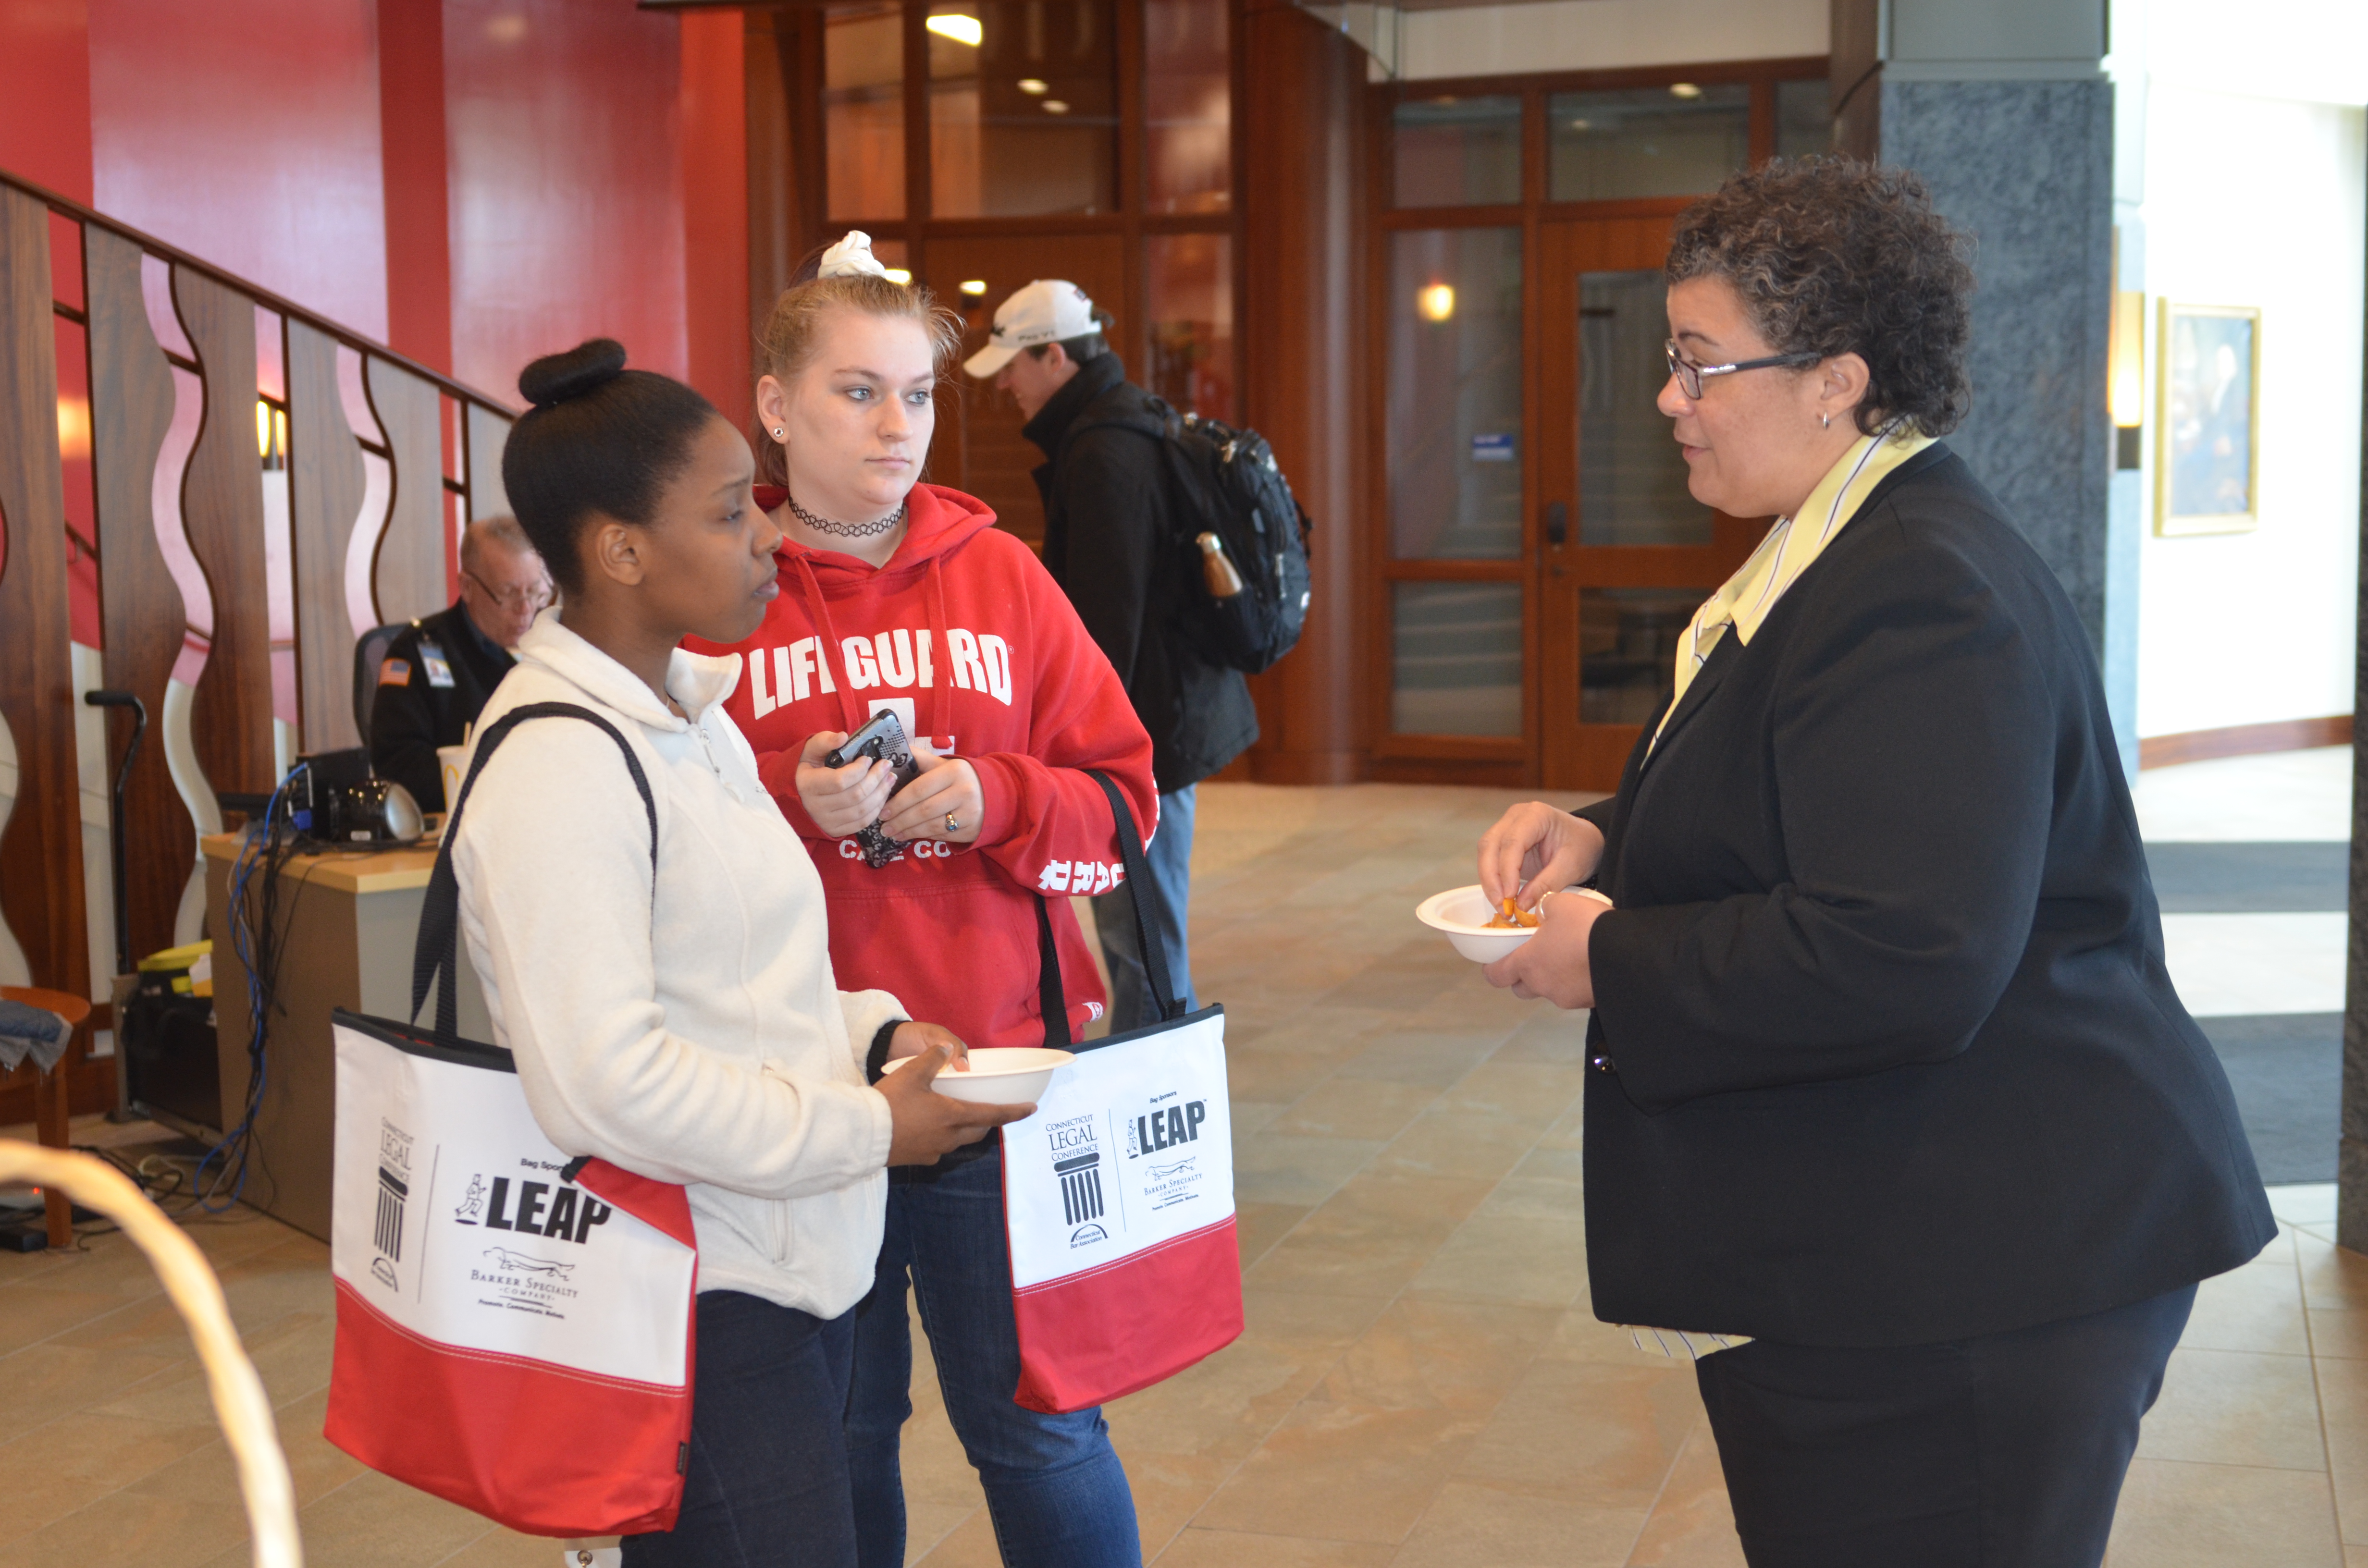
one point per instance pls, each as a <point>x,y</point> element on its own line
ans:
<point>998,1075</point>
<point>1463,913</point>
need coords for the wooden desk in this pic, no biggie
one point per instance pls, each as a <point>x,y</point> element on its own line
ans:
<point>350,919</point>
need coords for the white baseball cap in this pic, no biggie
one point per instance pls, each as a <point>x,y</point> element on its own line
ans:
<point>1050,310</point>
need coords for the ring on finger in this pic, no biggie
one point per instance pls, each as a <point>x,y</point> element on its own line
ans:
<point>951,824</point>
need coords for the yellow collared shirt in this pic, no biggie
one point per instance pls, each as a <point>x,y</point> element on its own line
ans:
<point>1789,549</point>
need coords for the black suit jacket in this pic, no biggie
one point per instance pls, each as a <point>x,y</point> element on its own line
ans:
<point>412,717</point>
<point>1883,1049</point>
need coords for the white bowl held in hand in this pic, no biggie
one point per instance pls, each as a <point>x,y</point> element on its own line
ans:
<point>998,1075</point>
<point>1464,913</point>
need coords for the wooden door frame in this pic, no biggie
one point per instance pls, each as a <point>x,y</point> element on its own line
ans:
<point>1490,760</point>
<point>1574,756</point>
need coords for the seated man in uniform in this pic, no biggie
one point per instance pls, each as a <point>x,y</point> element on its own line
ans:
<point>438,673</point>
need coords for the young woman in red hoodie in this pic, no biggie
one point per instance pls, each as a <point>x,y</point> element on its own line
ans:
<point>903,596</point>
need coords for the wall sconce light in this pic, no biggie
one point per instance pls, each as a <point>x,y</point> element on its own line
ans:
<point>899,275</point>
<point>1437,302</point>
<point>74,429</point>
<point>974,287</point>
<point>959,28</point>
<point>1034,86</point>
<point>270,435</point>
<point>2125,376</point>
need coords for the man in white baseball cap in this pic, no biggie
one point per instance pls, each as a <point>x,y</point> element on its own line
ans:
<point>1114,539</point>
<point>1048,310</point>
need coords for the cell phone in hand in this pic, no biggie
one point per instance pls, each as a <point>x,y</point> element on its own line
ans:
<point>882,740</point>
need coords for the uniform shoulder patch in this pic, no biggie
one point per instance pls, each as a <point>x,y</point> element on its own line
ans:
<point>394,672</point>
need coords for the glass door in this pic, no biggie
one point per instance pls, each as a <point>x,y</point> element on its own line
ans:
<point>1625,554</point>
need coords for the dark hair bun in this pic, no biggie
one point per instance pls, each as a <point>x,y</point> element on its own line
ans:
<point>555,378</point>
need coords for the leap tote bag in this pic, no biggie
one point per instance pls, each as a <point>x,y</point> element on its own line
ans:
<point>1119,1192</point>
<point>514,1327</point>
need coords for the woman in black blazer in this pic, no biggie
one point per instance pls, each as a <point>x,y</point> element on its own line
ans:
<point>1891,1092</point>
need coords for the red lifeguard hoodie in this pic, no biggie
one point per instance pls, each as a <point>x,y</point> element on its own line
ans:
<point>967,638</point>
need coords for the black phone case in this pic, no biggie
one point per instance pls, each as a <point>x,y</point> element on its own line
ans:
<point>882,740</point>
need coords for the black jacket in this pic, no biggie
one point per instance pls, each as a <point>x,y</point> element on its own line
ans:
<point>1885,1051</point>
<point>1112,542</point>
<point>411,716</point>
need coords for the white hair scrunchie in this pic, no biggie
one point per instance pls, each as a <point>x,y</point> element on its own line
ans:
<point>851,257</point>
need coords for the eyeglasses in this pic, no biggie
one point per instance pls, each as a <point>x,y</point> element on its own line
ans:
<point>532,600</point>
<point>1689,375</point>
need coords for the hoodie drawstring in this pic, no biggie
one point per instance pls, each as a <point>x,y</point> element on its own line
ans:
<point>939,655</point>
<point>819,609</point>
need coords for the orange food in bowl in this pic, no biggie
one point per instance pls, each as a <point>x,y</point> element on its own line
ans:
<point>1510,918</point>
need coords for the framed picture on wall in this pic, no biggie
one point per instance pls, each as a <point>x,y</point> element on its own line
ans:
<point>2208,420</point>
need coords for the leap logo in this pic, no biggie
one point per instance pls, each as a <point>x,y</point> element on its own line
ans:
<point>1165,1126</point>
<point>557,1210</point>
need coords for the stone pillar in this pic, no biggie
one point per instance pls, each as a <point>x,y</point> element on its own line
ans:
<point>2003,112</point>
<point>2351,1164</point>
<point>1302,119</point>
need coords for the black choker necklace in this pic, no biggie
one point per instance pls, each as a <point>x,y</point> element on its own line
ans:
<point>848,530</point>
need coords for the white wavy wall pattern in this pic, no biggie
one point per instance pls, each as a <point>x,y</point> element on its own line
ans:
<point>173,539</point>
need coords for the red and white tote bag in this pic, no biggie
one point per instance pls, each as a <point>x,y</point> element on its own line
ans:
<point>1119,1197</point>
<point>514,1328</point>
<point>1118,1191</point>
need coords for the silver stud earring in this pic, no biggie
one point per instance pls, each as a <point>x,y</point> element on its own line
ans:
<point>1824,422</point>
<point>777,433</point>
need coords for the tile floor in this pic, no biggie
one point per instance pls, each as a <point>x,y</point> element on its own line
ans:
<point>1422,1382</point>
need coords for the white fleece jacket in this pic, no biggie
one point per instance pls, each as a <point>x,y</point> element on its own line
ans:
<point>696,1035</point>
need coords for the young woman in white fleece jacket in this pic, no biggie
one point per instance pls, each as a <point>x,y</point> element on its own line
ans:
<point>687,1025</point>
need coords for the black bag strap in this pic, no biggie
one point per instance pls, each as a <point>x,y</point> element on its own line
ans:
<point>1147,907</point>
<point>436,951</point>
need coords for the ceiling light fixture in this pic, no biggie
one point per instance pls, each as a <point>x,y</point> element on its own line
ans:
<point>1684,90</point>
<point>959,28</point>
<point>1033,87</point>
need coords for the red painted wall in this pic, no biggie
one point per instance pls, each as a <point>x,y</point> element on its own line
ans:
<point>246,131</point>
<point>414,157</point>
<point>564,137</point>
<point>45,93</point>
<point>715,210</point>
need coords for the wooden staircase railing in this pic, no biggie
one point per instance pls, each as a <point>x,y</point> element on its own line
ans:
<point>164,341</point>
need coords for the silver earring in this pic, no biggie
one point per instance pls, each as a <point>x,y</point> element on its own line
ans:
<point>777,433</point>
<point>1824,422</point>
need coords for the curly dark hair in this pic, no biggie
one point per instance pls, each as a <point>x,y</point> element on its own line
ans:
<point>1833,255</point>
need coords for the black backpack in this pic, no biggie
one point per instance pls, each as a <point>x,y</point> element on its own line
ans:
<point>1225,481</point>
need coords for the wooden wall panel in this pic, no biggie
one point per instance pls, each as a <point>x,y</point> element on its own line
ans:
<point>408,576</point>
<point>1307,384</point>
<point>222,507</point>
<point>488,433</point>
<point>325,484</point>
<point>142,619</point>
<point>40,847</point>
<point>978,448</point>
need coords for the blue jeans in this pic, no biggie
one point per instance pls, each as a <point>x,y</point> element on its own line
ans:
<point>1169,857</point>
<point>767,1486</point>
<point>1054,1488</point>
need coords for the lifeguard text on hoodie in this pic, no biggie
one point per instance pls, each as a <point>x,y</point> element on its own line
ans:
<point>970,641</point>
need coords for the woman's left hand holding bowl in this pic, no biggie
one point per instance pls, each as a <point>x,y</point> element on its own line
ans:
<point>1554,963</point>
